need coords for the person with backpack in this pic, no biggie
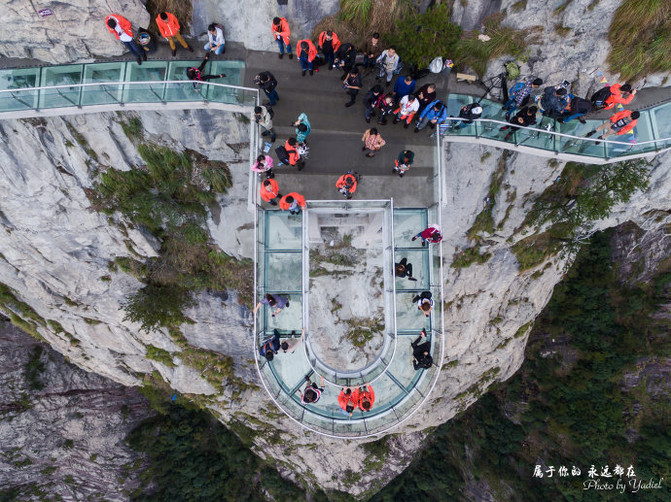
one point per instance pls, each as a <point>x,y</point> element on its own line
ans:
<point>277,302</point>
<point>311,393</point>
<point>577,107</point>
<point>406,110</point>
<point>424,302</point>
<point>426,95</point>
<point>370,101</point>
<point>346,184</point>
<point>303,128</point>
<point>468,114</point>
<point>430,234</point>
<point>292,202</point>
<point>421,353</point>
<point>348,400</point>
<point>263,115</point>
<point>403,269</point>
<point>215,39</point>
<point>365,397</point>
<point>553,101</point>
<point>434,114</point>
<point>386,106</point>
<point>281,33</point>
<point>169,27</point>
<point>307,52</point>
<point>520,94</point>
<point>526,117</point>
<point>120,27</point>
<point>403,162</point>
<point>372,141</point>
<point>264,165</point>
<point>328,43</point>
<point>620,123</point>
<point>270,191</point>
<point>352,85</point>
<point>196,74</point>
<point>403,87</point>
<point>270,346</point>
<point>612,95</point>
<point>387,63</point>
<point>290,155</point>
<point>268,83</point>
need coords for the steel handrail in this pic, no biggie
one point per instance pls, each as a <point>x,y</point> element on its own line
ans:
<point>127,82</point>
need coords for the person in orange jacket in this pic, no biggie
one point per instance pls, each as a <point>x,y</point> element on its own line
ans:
<point>619,94</point>
<point>620,123</point>
<point>346,184</point>
<point>348,399</point>
<point>280,29</point>
<point>307,52</point>
<point>329,43</point>
<point>366,397</point>
<point>292,202</point>
<point>169,27</point>
<point>270,191</point>
<point>120,27</point>
<point>291,146</point>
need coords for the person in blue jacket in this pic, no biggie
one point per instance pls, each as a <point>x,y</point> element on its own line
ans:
<point>434,114</point>
<point>402,87</point>
<point>303,128</point>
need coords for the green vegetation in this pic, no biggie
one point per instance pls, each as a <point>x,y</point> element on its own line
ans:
<point>640,38</point>
<point>569,404</point>
<point>34,369</point>
<point>169,197</point>
<point>193,457</point>
<point>484,221</point>
<point>468,256</point>
<point>363,330</point>
<point>160,355</point>
<point>133,128</point>
<point>81,141</point>
<point>20,313</point>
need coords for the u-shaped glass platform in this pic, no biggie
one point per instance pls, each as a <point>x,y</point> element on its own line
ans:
<point>332,249</point>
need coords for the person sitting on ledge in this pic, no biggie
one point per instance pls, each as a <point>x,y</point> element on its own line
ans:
<point>366,397</point>
<point>348,399</point>
<point>404,269</point>
<point>273,301</point>
<point>421,357</point>
<point>270,346</point>
<point>424,302</point>
<point>312,393</point>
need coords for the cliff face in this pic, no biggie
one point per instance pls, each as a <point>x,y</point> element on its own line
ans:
<point>62,428</point>
<point>56,251</point>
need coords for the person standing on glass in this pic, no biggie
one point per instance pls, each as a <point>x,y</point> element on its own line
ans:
<point>267,82</point>
<point>312,393</point>
<point>120,27</point>
<point>277,302</point>
<point>280,29</point>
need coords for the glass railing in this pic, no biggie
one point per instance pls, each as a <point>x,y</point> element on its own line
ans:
<point>283,247</point>
<point>651,134</point>
<point>26,92</point>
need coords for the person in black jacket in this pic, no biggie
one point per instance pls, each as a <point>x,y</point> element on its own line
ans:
<point>553,102</point>
<point>526,117</point>
<point>352,85</point>
<point>468,113</point>
<point>386,106</point>
<point>345,58</point>
<point>421,357</point>
<point>267,81</point>
<point>370,101</point>
<point>196,74</point>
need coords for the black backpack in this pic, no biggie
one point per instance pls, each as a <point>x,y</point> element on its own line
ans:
<point>282,154</point>
<point>599,97</point>
<point>270,110</point>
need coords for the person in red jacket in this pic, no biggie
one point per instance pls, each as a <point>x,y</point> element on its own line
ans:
<point>620,123</point>
<point>280,29</point>
<point>120,27</point>
<point>270,191</point>
<point>292,202</point>
<point>329,43</point>
<point>307,52</point>
<point>430,234</point>
<point>619,94</point>
<point>346,184</point>
<point>348,400</point>
<point>366,397</point>
<point>169,27</point>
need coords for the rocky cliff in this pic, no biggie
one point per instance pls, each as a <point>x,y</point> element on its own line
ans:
<point>56,253</point>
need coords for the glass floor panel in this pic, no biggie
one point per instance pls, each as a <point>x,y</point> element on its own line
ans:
<point>419,259</point>
<point>289,318</point>
<point>284,269</point>
<point>661,115</point>
<point>283,231</point>
<point>407,224</point>
<point>408,316</point>
<point>401,367</point>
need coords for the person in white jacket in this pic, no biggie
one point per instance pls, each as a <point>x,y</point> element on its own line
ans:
<point>388,63</point>
<point>216,42</point>
<point>406,109</point>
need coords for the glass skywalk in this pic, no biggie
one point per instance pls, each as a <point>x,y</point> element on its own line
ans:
<point>293,260</point>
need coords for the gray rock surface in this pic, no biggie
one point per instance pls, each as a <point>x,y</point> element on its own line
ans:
<point>67,438</point>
